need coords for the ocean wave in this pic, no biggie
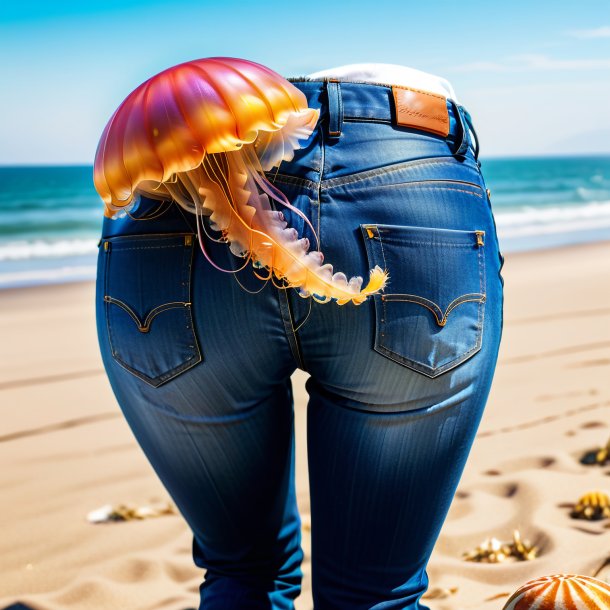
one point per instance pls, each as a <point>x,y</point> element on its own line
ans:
<point>554,219</point>
<point>25,250</point>
<point>47,276</point>
<point>516,222</point>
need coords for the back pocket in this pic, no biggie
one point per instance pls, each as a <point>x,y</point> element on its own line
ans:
<point>147,300</point>
<point>430,316</point>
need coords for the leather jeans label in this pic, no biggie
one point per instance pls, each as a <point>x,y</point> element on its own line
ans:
<point>421,110</point>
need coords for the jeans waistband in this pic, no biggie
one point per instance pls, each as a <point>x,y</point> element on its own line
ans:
<point>342,100</point>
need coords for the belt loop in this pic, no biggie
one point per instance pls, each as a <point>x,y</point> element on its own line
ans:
<point>473,131</point>
<point>462,135</point>
<point>335,108</point>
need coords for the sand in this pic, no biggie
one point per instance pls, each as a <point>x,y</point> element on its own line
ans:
<point>66,450</point>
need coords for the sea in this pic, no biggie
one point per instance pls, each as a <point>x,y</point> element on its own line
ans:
<point>50,217</point>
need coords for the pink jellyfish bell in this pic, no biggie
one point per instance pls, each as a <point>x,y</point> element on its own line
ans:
<point>203,133</point>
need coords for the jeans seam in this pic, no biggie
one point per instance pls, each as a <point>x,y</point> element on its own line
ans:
<point>387,169</point>
<point>287,319</point>
<point>369,173</point>
<point>438,184</point>
<point>294,180</point>
<point>319,186</point>
<point>366,119</point>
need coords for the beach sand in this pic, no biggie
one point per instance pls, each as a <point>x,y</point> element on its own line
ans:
<point>65,450</point>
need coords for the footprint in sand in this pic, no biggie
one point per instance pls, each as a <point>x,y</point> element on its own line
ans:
<point>133,569</point>
<point>495,507</point>
<point>181,572</point>
<point>501,489</point>
<point>593,424</point>
<point>492,509</point>
<point>519,464</point>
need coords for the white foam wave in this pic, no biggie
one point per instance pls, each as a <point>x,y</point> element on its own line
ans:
<point>511,223</point>
<point>528,214</point>
<point>555,219</point>
<point>25,250</point>
<point>44,276</point>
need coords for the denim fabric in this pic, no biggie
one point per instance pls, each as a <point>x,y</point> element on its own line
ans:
<point>200,362</point>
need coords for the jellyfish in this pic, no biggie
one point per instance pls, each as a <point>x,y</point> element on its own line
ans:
<point>203,133</point>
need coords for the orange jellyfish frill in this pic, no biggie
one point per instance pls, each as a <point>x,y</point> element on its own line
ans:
<point>203,133</point>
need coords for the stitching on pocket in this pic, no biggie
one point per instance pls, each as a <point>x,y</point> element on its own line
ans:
<point>186,275</point>
<point>441,319</point>
<point>123,249</point>
<point>144,327</point>
<point>401,235</point>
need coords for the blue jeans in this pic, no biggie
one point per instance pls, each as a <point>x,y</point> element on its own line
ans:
<point>200,362</point>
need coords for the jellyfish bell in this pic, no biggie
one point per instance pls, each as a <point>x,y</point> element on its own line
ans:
<point>203,133</point>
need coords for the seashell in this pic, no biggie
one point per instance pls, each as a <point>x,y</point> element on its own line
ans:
<point>561,592</point>
<point>494,551</point>
<point>594,505</point>
<point>600,456</point>
<point>125,512</point>
<point>440,593</point>
<point>522,549</point>
<point>101,514</point>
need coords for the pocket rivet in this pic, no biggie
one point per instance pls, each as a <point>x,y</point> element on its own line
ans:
<point>488,194</point>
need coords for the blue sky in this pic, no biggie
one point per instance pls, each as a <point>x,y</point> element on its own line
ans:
<point>535,75</point>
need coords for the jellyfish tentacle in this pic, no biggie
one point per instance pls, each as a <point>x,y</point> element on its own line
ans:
<point>205,253</point>
<point>214,180</point>
<point>189,179</point>
<point>237,198</point>
<point>176,193</point>
<point>291,261</point>
<point>254,168</point>
<point>202,193</point>
<point>201,224</point>
<point>250,291</point>
<point>320,285</point>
